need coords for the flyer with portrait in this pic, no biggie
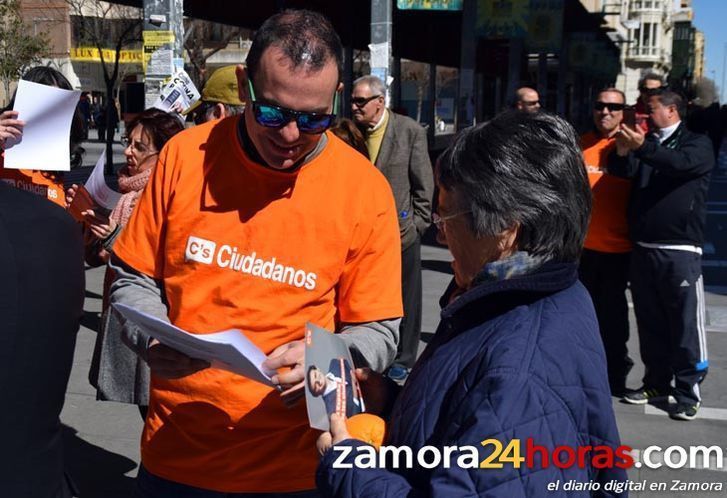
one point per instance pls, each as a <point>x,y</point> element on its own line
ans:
<point>330,382</point>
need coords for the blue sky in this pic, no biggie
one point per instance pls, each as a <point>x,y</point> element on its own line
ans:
<point>710,16</point>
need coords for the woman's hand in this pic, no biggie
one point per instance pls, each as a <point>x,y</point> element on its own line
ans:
<point>100,225</point>
<point>10,127</point>
<point>339,432</point>
<point>70,194</point>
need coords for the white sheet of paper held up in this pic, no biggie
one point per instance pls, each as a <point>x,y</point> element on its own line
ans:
<point>228,350</point>
<point>48,113</point>
<point>98,188</point>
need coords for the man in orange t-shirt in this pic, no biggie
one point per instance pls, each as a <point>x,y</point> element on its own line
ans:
<point>259,222</point>
<point>604,263</point>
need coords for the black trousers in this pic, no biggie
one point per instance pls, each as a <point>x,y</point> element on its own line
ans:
<point>668,294</point>
<point>411,287</point>
<point>606,276</point>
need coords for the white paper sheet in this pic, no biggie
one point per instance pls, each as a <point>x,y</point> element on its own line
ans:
<point>96,185</point>
<point>161,62</point>
<point>45,143</point>
<point>379,54</point>
<point>228,350</point>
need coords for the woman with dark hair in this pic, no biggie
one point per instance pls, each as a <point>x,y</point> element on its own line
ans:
<point>45,183</point>
<point>517,358</point>
<point>147,133</point>
<point>116,371</point>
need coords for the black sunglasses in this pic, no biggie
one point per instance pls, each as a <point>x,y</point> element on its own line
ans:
<point>600,106</point>
<point>362,101</point>
<point>273,116</point>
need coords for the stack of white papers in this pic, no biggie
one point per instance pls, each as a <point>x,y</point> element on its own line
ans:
<point>228,350</point>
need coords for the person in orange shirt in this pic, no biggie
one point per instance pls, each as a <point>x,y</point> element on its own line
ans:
<point>259,222</point>
<point>604,264</point>
<point>47,184</point>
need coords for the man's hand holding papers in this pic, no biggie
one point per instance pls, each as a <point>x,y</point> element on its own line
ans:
<point>176,353</point>
<point>169,363</point>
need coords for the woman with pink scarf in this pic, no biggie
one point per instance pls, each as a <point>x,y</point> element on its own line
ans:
<point>116,372</point>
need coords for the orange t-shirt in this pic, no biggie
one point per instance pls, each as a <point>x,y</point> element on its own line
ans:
<point>241,246</point>
<point>608,231</point>
<point>48,184</point>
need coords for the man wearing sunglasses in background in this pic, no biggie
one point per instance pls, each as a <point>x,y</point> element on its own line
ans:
<point>220,98</point>
<point>261,223</point>
<point>397,145</point>
<point>648,83</point>
<point>527,100</point>
<point>604,264</point>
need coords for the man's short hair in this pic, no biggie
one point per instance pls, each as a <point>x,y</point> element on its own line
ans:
<point>374,82</point>
<point>667,98</point>
<point>307,39</point>
<point>650,76</point>
<point>518,96</point>
<point>525,169</point>
<point>613,90</point>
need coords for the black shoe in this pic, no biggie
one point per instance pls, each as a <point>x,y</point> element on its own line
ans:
<point>645,395</point>
<point>685,411</point>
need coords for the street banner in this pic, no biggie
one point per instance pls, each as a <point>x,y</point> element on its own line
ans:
<point>93,54</point>
<point>545,26</point>
<point>429,4</point>
<point>502,18</point>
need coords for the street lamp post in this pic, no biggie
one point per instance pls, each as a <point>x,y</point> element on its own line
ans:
<point>724,58</point>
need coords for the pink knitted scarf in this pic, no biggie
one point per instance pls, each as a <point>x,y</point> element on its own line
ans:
<point>131,187</point>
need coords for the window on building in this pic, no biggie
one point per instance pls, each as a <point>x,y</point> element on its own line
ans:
<point>647,34</point>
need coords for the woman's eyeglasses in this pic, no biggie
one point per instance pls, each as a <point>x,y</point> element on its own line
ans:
<point>440,220</point>
<point>138,146</point>
<point>273,116</point>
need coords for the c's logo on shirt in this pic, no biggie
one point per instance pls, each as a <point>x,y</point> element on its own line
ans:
<point>199,250</point>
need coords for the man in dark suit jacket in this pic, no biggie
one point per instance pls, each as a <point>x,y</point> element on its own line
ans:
<point>671,169</point>
<point>41,303</point>
<point>397,145</point>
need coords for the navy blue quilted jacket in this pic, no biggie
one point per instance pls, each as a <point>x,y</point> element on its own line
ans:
<point>513,359</point>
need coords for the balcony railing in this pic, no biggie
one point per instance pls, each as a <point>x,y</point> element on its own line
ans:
<point>646,6</point>
<point>650,54</point>
<point>645,52</point>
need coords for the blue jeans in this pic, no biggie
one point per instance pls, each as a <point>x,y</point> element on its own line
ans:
<point>150,486</point>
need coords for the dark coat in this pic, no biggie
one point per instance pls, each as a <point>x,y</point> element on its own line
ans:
<point>404,161</point>
<point>669,193</point>
<point>514,359</point>
<point>41,304</point>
